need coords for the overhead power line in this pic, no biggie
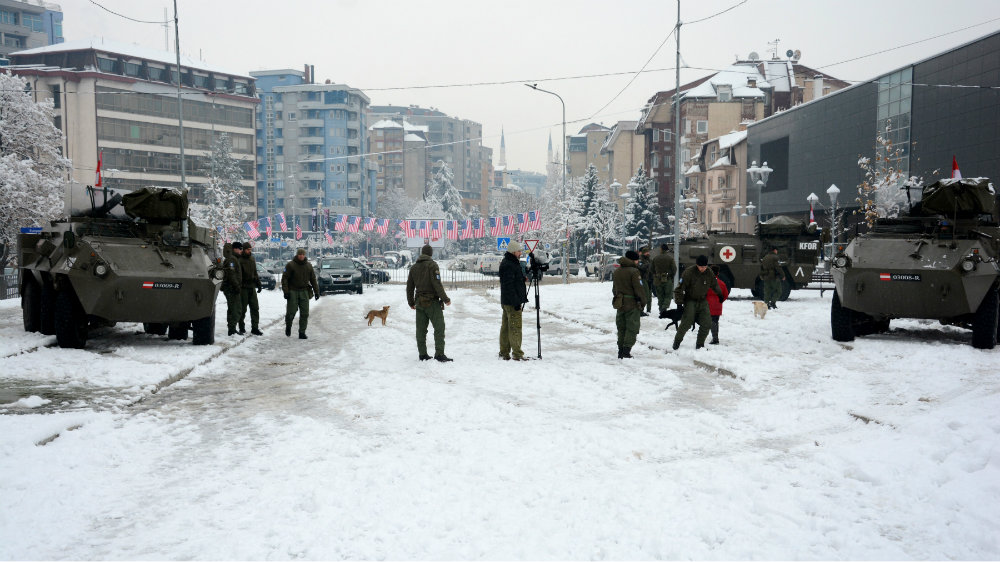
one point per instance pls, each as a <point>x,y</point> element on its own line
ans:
<point>126,17</point>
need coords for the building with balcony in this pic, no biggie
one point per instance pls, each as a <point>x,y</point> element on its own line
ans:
<point>25,25</point>
<point>312,147</point>
<point>625,150</point>
<point>400,151</point>
<point>452,140</point>
<point>718,179</point>
<point>121,101</point>
<point>584,149</point>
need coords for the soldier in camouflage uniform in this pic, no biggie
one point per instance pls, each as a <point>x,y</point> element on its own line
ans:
<point>629,294</point>
<point>772,275</point>
<point>664,270</point>
<point>232,282</point>
<point>248,292</point>
<point>690,293</point>
<point>299,283</point>
<point>426,295</point>
<point>645,266</point>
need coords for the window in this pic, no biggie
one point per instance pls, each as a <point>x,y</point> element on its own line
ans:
<point>656,135</point>
<point>702,127</point>
<point>56,96</point>
<point>9,18</point>
<point>725,92</point>
<point>291,116</point>
<point>33,21</point>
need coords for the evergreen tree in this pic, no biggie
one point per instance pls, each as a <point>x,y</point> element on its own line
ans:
<point>442,187</point>
<point>225,199</point>
<point>643,210</point>
<point>32,170</point>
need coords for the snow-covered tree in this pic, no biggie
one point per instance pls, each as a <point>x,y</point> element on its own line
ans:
<point>429,208</point>
<point>33,173</point>
<point>442,187</point>
<point>394,204</point>
<point>225,199</point>
<point>643,210</point>
<point>880,194</point>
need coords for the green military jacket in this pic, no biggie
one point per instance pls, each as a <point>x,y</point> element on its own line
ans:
<point>298,276</point>
<point>423,284</point>
<point>664,268</point>
<point>249,271</point>
<point>695,284</point>
<point>627,284</point>
<point>645,268</point>
<point>770,269</point>
<point>232,267</point>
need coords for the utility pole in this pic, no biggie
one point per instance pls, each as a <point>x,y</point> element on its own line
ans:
<point>677,148</point>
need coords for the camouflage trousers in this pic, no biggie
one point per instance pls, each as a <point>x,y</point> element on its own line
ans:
<point>298,301</point>
<point>232,308</point>
<point>433,314</point>
<point>248,298</point>
<point>627,322</point>
<point>695,312</point>
<point>510,332</point>
<point>664,294</point>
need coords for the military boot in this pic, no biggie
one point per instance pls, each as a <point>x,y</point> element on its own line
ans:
<point>620,351</point>
<point>256,332</point>
<point>242,329</point>
<point>626,353</point>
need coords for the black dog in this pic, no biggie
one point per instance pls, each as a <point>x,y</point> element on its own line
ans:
<point>674,315</point>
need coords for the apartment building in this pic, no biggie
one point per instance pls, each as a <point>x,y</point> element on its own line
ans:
<point>312,148</point>
<point>399,149</point>
<point>584,149</point>
<point>625,150</point>
<point>120,100</point>
<point>718,173</point>
<point>26,25</point>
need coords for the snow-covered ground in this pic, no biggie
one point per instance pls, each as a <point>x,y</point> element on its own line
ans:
<point>779,443</point>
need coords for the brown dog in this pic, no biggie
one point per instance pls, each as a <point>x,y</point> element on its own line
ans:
<point>372,314</point>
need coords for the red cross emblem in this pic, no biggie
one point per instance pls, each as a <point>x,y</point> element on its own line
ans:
<point>727,253</point>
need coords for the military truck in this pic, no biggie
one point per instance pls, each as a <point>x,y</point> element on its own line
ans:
<point>738,255</point>
<point>937,262</point>
<point>132,258</point>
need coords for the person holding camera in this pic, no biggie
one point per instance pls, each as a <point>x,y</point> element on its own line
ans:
<point>513,295</point>
<point>629,300</point>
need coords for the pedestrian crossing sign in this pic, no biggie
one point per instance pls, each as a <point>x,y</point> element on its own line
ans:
<point>530,245</point>
<point>502,244</point>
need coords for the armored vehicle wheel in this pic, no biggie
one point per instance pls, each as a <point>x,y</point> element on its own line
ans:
<point>786,289</point>
<point>177,331</point>
<point>727,278</point>
<point>841,321</point>
<point>758,289</point>
<point>31,305</point>
<point>154,328</point>
<point>47,319</point>
<point>203,330</point>
<point>984,323</point>
<point>71,320</point>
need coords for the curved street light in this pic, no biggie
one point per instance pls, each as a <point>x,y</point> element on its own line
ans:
<point>535,87</point>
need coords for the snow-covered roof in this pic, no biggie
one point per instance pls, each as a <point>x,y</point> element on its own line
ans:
<point>731,139</point>
<point>410,137</point>
<point>779,74</point>
<point>407,126</point>
<point>724,161</point>
<point>693,170</point>
<point>737,77</point>
<point>129,50</point>
<point>385,124</point>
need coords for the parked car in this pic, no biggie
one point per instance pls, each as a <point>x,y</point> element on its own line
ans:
<point>369,274</point>
<point>555,266</point>
<point>267,279</point>
<point>489,264</point>
<point>465,262</point>
<point>594,263</point>
<point>338,274</point>
<point>609,266</point>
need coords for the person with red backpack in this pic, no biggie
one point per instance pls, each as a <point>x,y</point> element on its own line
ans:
<point>715,301</point>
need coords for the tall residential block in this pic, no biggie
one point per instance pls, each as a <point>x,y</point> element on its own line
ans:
<point>25,25</point>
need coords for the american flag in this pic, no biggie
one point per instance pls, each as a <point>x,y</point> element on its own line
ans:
<point>265,223</point>
<point>281,222</point>
<point>370,224</point>
<point>534,221</point>
<point>480,230</point>
<point>452,230</point>
<point>522,222</point>
<point>353,224</point>
<point>509,224</point>
<point>436,228</point>
<point>382,227</point>
<point>467,229</point>
<point>298,232</point>
<point>422,229</point>
<point>252,229</point>
<point>409,228</point>
<point>496,226</point>
<point>329,239</point>
<point>341,223</point>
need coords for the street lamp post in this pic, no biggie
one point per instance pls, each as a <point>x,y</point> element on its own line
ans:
<point>736,214</point>
<point>758,177</point>
<point>616,189</point>
<point>535,87</point>
<point>833,191</point>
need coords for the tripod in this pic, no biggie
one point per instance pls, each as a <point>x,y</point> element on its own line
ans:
<point>534,277</point>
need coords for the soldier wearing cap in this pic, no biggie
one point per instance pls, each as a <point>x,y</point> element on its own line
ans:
<point>628,294</point>
<point>664,270</point>
<point>645,265</point>
<point>425,294</point>
<point>298,283</point>
<point>232,283</point>
<point>248,291</point>
<point>690,294</point>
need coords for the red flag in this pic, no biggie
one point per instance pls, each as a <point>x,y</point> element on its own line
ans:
<point>812,217</point>
<point>100,156</point>
<point>955,173</point>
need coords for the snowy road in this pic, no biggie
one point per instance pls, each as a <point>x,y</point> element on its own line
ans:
<point>345,446</point>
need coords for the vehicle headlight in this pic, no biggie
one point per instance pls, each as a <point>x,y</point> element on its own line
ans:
<point>968,264</point>
<point>101,270</point>
<point>841,261</point>
<point>219,274</point>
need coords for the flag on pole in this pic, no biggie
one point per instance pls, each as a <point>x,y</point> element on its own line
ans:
<point>509,224</point>
<point>252,229</point>
<point>409,228</point>
<point>281,222</point>
<point>382,227</point>
<point>265,224</point>
<point>812,216</point>
<point>534,221</point>
<point>467,229</point>
<point>480,230</point>
<point>314,221</point>
<point>329,239</point>
<point>341,223</point>
<point>422,229</point>
<point>298,232</point>
<point>522,222</point>
<point>436,227</point>
<point>326,219</point>
<point>452,230</point>
<point>353,224</point>
<point>99,182</point>
<point>496,226</point>
<point>369,224</point>
<point>956,174</point>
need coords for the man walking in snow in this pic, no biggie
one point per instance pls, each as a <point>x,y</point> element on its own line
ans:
<point>232,282</point>
<point>513,295</point>
<point>629,295</point>
<point>690,294</point>
<point>664,271</point>
<point>299,283</point>
<point>772,275</point>
<point>426,295</point>
<point>248,292</point>
<point>645,265</point>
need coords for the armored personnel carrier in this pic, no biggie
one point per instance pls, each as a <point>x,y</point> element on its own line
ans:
<point>938,262</point>
<point>132,258</point>
<point>738,255</point>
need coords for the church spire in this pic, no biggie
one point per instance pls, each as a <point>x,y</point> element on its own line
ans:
<point>503,150</point>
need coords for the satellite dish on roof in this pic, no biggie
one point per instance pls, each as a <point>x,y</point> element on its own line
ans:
<point>789,53</point>
<point>753,55</point>
<point>797,55</point>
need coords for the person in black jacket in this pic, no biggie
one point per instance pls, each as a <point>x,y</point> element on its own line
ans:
<point>513,295</point>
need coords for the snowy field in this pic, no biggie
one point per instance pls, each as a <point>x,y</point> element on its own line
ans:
<point>778,444</point>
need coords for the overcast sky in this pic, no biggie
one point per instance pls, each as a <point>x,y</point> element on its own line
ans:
<point>392,49</point>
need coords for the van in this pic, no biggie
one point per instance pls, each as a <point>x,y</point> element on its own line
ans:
<point>489,264</point>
